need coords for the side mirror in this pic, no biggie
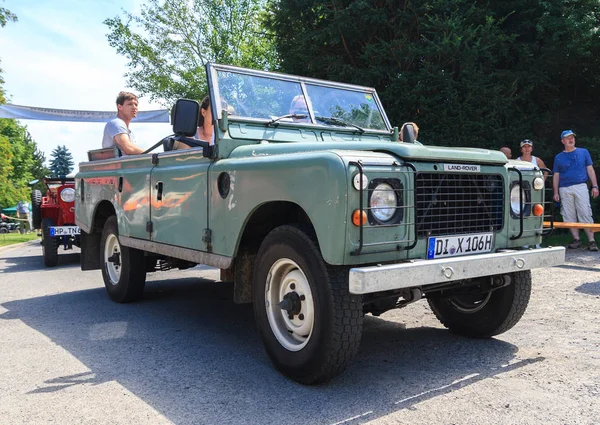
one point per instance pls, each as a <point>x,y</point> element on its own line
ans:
<point>184,117</point>
<point>408,134</point>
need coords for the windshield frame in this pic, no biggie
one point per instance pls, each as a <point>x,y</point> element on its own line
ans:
<point>212,70</point>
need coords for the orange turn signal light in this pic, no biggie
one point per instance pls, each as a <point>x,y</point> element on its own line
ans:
<point>357,216</point>
<point>538,210</point>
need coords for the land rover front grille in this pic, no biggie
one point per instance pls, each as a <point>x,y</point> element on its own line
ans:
<point>450,204</point>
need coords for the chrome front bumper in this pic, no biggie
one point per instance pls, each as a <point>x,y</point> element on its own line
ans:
<point>415,273</point>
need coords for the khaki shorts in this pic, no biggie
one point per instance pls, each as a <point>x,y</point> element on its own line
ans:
<point>575,204</point>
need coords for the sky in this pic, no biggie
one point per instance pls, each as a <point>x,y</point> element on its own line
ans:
<point>57,56</point>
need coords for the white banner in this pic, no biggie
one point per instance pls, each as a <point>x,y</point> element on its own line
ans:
<point>49,114</point>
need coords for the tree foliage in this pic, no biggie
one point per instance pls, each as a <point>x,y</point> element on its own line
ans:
<point>61,163</point>
<point>170,42</point>
<point>6,16</point>
<point>20,159</point>
<point>21,162</point>
<point>481,74</point>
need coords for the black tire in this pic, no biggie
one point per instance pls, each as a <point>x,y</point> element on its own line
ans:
<point>486,314</point>
<point>49,244</point>
<point>326,338</point>
<point>36,209</point>
<point>123,268</point>
<point>3,230</point>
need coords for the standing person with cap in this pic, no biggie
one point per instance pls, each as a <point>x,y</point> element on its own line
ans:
<point>526,149</point>
<point>572,169</point>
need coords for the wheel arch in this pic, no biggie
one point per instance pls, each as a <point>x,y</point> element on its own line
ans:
<point>90,242</point>
<point>260,222</point>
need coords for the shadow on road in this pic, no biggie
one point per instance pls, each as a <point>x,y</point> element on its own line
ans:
<point>35,263</point>
<point>590,288</point>
<point>194,356</point>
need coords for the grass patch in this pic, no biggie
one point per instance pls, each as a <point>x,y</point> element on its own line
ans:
<point>13,238</point>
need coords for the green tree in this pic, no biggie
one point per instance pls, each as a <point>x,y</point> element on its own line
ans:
<point>61,163</point>
<point>18,162</point>
<point>480,74</point>
<point>8,194</point>
<point>171,41</point>
<point>20,159</point>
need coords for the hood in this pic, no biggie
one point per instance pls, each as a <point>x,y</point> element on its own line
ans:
<point>406,151</point>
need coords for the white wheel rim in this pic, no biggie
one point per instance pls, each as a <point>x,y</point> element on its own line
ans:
<point>287,278</point>
<point>113,268</point>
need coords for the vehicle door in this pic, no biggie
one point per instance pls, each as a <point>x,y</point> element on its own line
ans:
<point>133,195</point>
<point>178,198</point>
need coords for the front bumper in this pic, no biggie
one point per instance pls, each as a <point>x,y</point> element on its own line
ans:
<point>417,273</point>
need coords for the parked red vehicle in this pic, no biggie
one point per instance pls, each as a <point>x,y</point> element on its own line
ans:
<point>54,214</point>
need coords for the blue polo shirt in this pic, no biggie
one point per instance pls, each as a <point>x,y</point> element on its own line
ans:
<point>572,167</point>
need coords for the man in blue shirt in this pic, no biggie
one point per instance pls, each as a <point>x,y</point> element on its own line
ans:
<point>572,169</point>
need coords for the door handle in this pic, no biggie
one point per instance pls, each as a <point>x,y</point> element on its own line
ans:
<point>159,191</point>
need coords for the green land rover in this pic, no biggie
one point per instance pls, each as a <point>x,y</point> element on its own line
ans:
<point>306,200</point>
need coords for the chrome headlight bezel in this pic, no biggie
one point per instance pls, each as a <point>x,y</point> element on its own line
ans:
<point>514,200</point>
<point>385,201</point>
<point>67,194</point>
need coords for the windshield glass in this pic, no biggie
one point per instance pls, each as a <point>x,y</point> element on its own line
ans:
<point>353,107</point>
<point>272,98</point>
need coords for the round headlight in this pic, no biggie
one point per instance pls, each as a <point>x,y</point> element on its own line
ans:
<point>515,201</point>
<point>67,195</point>
<point>538,183</point>
<point>383,202</point>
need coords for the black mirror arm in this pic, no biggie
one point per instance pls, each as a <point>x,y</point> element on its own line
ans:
<point>151,148</point>
<point>207,148</point>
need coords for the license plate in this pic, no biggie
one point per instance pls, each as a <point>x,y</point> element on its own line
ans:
<point>454,246</point>
<point>64,230</point>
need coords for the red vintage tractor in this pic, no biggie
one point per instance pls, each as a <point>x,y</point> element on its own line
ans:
<point>54,214</point>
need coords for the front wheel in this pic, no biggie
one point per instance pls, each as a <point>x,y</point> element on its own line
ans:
<point>49,244</point>
<point>310,324</point>
<point>123,268</point>
<point>485,313</point>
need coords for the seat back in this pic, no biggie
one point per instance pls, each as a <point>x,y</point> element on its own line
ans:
<point>104,153</point>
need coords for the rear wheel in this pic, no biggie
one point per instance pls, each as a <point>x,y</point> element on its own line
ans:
<point>483,314</point>
<point>36,209</point>
<point>310,324</point>
<point>49,244</point>
<point>123,268</point>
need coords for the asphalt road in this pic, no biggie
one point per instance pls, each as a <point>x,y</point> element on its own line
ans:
<point>187,355</point>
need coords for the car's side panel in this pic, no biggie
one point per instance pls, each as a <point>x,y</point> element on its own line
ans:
<point>125,183</point>
<point>180,215</point>
<point>315,181</point>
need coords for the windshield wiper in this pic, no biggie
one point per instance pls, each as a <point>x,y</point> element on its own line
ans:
<point>296,116</point>
<point>336,121</point>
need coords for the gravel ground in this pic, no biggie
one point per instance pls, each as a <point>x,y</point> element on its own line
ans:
<point>187,355</point>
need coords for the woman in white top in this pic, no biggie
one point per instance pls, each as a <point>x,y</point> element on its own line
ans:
<point>526,149</point>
